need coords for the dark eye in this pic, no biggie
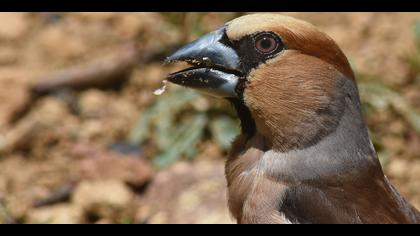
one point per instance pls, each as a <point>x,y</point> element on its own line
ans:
<point>266,43</point>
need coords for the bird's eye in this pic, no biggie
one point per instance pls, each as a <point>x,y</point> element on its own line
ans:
<point>266,43</point>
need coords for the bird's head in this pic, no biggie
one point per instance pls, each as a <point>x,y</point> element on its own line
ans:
<point>282,74</point>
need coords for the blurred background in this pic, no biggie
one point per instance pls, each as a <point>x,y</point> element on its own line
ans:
<point>83,138</point>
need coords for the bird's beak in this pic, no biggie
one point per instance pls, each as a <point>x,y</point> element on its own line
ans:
<point>215,66</point>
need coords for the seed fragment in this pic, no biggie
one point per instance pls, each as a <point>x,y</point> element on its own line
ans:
<point>162,89</point>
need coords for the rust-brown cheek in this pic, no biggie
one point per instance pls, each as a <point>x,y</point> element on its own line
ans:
<point>285,96</point>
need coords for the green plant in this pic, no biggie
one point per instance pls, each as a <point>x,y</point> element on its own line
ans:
<point>177,127</point>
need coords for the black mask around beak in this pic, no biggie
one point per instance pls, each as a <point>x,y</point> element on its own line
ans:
<point>215,65</point>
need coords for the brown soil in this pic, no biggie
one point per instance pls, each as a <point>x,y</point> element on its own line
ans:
<point>59,144</point>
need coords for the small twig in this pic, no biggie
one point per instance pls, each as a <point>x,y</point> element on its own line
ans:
<point>61,195</point>
<point>106,72</point>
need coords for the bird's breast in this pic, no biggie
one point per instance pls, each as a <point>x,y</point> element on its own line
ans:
<point>253,197</point>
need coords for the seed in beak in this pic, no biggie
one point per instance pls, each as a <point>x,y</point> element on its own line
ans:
<point>162,89</point>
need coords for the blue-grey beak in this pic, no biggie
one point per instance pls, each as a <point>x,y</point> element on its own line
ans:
<point>215,65</point>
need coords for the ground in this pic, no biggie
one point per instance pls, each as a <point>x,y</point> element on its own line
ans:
<point>98,153</point>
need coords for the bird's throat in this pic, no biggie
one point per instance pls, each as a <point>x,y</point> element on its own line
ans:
<point>248,126</point>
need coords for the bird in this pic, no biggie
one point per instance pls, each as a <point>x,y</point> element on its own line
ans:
<point>304,155</point>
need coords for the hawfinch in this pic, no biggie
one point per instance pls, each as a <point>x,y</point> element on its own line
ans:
<point>304,154</point>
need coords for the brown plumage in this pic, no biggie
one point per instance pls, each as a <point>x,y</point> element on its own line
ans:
<point>304,155</point>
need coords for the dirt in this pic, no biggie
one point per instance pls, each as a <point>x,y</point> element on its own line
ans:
<point>66,138</point>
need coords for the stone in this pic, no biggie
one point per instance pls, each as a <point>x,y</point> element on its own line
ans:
<point>187,193</point>
<point>14,95</point>
<point>97,163</point>
<point>93,195</point>
<point>13,25</point>
<point>57,214</point>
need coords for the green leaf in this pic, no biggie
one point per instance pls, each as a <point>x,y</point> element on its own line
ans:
<point>142,128</point>
<point>160,115</point>
<point>224,129</point>
<point>417,31</point>
<point>191,132</point>
<point>382,97</point>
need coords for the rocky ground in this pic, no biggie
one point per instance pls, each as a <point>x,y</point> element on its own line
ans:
<point>76,154</point>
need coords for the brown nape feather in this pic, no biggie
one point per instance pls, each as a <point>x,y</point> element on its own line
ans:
<point>291,99</point>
